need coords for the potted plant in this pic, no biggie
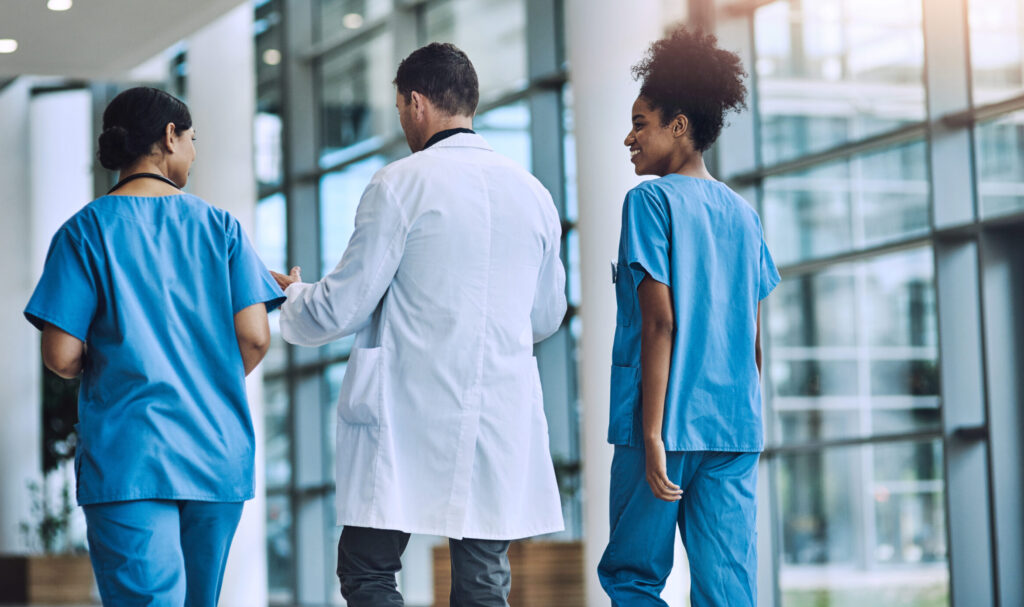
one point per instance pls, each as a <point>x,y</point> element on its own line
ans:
<point>57,570</point>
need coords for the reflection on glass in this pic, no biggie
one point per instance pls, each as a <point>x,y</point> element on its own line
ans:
<point>278,433</point>
<point>569,152</point>
<point>832,71</point>
<point>333,376</point>
<point>491,32</point>
<point>507,130</point>
<point>997,49</point>
<point>852,350</point>
<point>340,192</point>
<point>336,17</point>
<point>269,239</point>
<point>1000,160</point>
<point>848,204</point>
<point>280,556</point>
<point>357,99</point>
<point>267,123</point>
<point>863,526</point>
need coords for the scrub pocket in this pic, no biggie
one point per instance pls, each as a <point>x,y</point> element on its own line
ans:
<point>625,400</point>
<point>359,399</point>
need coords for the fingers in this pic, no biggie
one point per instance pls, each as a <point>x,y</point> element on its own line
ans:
<point>663,488</point>
<point>295,273</point>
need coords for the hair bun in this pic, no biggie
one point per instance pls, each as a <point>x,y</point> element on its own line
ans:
<point>114,153</point>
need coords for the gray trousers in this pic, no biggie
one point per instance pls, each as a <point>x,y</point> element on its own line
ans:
<point>368,560</point>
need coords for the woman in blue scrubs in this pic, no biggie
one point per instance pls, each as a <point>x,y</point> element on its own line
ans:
<point>160,302</point>
<point>685,395</point>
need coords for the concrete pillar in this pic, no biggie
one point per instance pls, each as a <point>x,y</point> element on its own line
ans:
<point>221,96</point>
<point>605,39</point>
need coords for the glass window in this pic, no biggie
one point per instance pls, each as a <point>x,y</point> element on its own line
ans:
<point>849,204</point>
<point>280,557</point>
<point>335,17</point>
<point>333,377</point>
<point>1000,160</point>
<point>340,192</point>
<point>832,71</point>
<point>852,350</point>
<point>278,433</point>
<point>357,98</point>
<point>997,49</point>
<point>491,32</point>
<point>507,130</point>
<point>270,241</point>
<point>267,124</point>
<point>863,525</point>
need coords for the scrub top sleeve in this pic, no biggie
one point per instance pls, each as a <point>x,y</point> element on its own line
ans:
<point>648,237</point>
<point>251,282</point>
<point>66,296</point>
<point>769,274</point>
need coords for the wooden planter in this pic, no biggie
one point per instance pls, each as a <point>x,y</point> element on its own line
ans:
<point>46,579</point>
<point>544,574</point>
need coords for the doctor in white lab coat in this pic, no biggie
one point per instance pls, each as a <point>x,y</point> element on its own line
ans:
<point>450,277</point>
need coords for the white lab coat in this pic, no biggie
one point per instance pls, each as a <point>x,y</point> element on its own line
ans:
<point>452,274</point>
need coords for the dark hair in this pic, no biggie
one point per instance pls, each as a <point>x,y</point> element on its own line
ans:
<point>442,73</point>
<point>134,121</point>
<point>686,73</point>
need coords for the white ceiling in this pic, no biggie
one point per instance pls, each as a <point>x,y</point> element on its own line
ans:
<point>98,38</point>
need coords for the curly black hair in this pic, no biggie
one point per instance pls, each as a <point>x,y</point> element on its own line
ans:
<point>686,73</point>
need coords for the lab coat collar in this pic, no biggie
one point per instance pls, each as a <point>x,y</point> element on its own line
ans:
<point>462,140</point>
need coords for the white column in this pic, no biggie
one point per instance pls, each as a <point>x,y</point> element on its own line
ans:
<point>20,457</point>
<point>221,96</point>
<point>605,38</point>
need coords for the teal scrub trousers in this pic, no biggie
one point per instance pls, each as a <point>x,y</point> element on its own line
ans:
<point>160,553</point>
<point>716,519</point>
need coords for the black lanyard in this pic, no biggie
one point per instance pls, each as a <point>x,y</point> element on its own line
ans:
<point>140,176</point>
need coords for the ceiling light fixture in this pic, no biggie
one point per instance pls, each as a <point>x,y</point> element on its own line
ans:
<point>8,45</point>
<point>271,56</point>
<point>352,21</point>
<point>58,5</point>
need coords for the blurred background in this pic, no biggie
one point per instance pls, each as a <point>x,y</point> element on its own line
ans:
<point>883,148</point>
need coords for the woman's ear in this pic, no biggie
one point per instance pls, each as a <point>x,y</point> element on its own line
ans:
<point>680,125</point>
<point>170,133</point>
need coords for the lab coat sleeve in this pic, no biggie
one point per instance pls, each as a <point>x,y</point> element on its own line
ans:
<point>343,302</point>
<point>549,299</point>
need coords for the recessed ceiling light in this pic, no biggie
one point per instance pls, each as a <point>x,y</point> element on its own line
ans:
<point>271,56</point>
<point>58,5</point>
<point>352,21</point>
<point>8,45</point>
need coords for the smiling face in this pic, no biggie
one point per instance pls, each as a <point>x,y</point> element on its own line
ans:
<point>655,149</point>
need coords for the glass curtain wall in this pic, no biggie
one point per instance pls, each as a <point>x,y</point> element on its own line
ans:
<point>854,159</point>
<point>326,123</point>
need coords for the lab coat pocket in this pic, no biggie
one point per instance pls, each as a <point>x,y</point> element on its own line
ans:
<point>359,400</point>
<point>625,401</point>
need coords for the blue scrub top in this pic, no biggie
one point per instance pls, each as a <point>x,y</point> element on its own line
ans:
<point>705,242</point>
<point>151,285</point>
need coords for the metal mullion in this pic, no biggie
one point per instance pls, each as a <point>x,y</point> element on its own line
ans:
<point>815,265</point>
<point>319,50</point>
<point>773,451</point>
<point>903,134</point>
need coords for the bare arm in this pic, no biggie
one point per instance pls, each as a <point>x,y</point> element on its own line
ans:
<point>62,352</point>
<point>253,333</point>
<point>657,328</point>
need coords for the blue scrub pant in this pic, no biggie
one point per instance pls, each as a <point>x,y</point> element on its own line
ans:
<point>160,553</point>
<point>716,518</point>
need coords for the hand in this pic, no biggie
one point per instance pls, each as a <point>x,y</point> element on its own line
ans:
<point>284,281</point>
<point>657,477</point>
